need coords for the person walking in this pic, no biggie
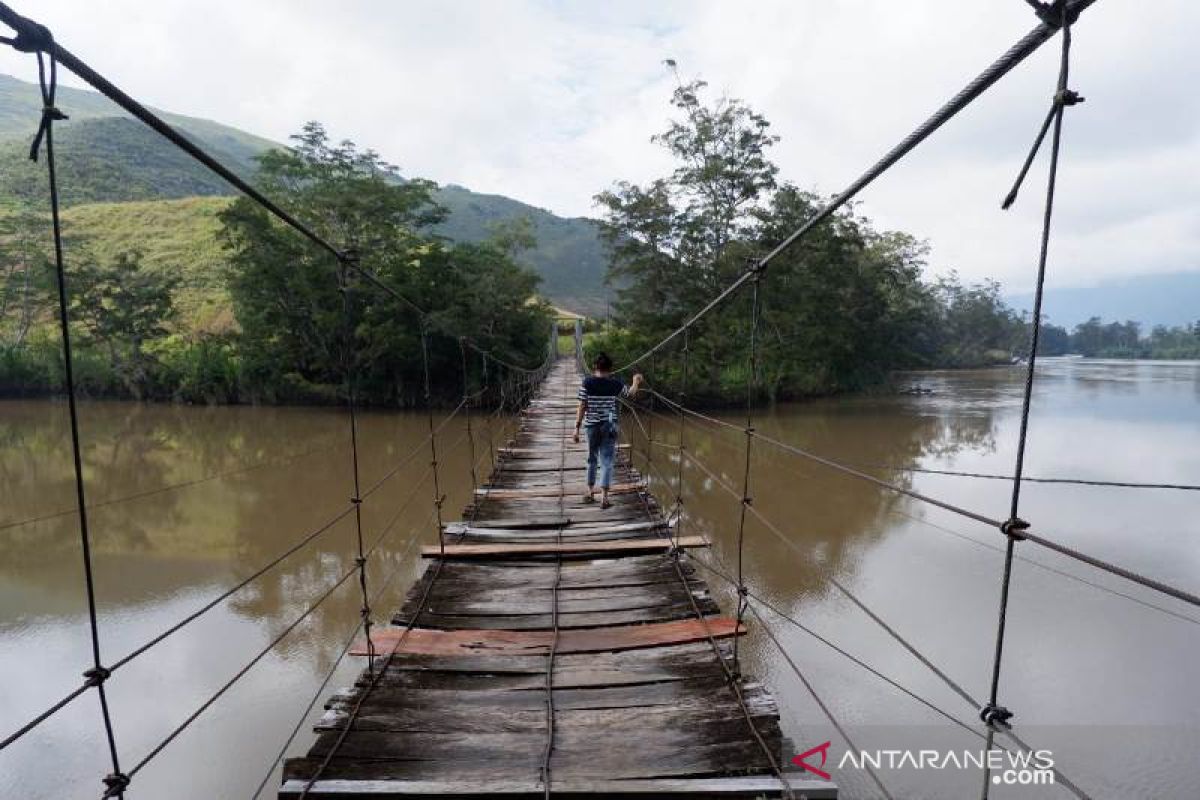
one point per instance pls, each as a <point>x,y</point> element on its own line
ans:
<point>599,413</point>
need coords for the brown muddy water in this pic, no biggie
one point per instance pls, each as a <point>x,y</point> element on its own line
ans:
<point>1104,682</point>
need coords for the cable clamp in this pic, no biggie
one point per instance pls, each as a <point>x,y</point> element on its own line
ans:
<point>438,502</point>
<point>116,783</point>
<point>356,500</point>
<point>743,591</point>
<point>996,715</point>
<point>97,675</point>
<point>360,562</point>
<point>365,613</point>
<point>1068,97</point>
<point>1010,527</point>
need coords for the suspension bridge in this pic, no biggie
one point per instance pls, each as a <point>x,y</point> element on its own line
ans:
<point>553,647</point>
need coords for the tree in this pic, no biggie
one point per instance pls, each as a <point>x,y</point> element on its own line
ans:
<point>25,275</point>
<point>286,291</point>
<point>122,307</point>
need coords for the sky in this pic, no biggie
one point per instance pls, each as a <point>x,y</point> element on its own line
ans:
<point>551,102</point>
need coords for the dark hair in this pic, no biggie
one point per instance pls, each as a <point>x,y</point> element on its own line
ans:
<point>602,362</point>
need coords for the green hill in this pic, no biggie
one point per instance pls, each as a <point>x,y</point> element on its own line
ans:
<point>107,157</point>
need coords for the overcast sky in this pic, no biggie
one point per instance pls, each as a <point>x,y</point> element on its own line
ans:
<point>550,102</point>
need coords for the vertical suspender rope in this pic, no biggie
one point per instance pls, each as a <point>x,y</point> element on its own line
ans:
<point>676,530</point>
<point>993,714</point>
<point>751,381</point>
<point>433,462</point>
<point>346,263</point>
<point>487,420</point>
<point>115,782</point>
<point>466,398</point>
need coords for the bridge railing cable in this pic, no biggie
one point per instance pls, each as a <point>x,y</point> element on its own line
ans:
<point>1180,594</point>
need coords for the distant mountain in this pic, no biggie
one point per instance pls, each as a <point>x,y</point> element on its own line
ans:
<point>1163,299</point>
<point>106,156</point>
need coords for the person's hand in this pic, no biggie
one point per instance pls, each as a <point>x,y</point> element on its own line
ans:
<point>638,379</point>
<point>575,437</point>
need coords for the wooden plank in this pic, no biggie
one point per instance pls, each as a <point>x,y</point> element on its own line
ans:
<point>524,643</point>
<point>566,489</point>
<point>554,548</point>
<point>473,787</point>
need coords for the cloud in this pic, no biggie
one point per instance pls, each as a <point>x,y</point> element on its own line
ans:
<point>551,102</point>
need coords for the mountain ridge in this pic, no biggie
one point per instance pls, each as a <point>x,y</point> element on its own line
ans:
<point>106,156</point>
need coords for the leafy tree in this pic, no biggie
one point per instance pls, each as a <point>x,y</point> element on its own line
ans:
<point>123,307</point>
<point>24,275</point>
<point>285,290</point>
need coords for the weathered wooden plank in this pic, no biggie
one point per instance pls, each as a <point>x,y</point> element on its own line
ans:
<point>564,549</point>
<point>593,640</point>
<point>566,489</point>
<point>471,787</point>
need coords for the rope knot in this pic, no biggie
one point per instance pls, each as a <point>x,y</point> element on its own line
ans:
<point>1068,97</point>
<point>993,714</point>
<point>1011,527</point>
<point>53,113</point>
<point>360,562</point>
<point>743,591</point>
<point>116,783</point>
<point>1052,13</point>
<point>97,675</point>
<point>356,500</point>
<point>31,37</point>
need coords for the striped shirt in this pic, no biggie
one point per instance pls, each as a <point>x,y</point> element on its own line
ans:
<point>600,395</point>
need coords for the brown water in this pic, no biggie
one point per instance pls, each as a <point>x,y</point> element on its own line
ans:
<point>1102,681</point>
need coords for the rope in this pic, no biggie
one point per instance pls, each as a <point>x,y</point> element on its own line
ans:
<point>1189,487</point>
<point>558,564</point>
<point>116,781</point>
<point>408,627</point>
<point>342,652</point>
<point>962,693</point>
<point>752,371</point>
<point>466,401</point>
<point>994,714</point>
<point>438,498</point>
<point>1130,575</point>
<point>732,677</point>
<point>348,365</point>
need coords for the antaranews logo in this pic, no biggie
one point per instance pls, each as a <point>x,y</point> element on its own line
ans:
<point>1034,768</point>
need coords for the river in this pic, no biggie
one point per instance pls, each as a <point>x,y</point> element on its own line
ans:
<point>188,500</point>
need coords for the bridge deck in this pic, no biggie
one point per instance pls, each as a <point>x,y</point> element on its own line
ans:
<point>542,597</point>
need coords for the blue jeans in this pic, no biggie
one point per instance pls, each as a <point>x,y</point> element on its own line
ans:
<point>602,447</point>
